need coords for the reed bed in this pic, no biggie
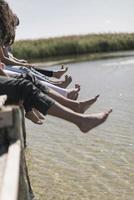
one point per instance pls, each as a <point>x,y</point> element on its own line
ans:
<point>73,45</point>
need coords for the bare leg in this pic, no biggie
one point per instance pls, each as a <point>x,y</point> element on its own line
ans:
<point>33,117</point>
<point>84,122</point>
<point>40,116</point>
<point>70,93</point>
<point>76,106</point>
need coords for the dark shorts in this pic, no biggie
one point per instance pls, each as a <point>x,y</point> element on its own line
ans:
<point>22,89</point>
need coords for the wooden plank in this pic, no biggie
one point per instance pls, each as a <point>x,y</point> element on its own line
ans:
<point>6,117</point>
<point>11,175</point>
<point>3,159</point>
<point>14,183</point>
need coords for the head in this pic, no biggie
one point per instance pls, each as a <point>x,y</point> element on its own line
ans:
<point>7,24</point>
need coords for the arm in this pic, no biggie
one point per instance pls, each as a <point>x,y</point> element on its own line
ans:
<point>14,61</point>
<point>10,55</point>
<point>2,73</point>
<point>9,61</point>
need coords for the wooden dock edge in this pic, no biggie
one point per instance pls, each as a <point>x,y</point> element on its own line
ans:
<point>15,183</point>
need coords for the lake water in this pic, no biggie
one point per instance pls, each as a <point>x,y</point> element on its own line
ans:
<point>65,164</point>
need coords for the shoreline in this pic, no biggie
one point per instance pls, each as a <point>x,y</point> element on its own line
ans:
<point>43,63</point>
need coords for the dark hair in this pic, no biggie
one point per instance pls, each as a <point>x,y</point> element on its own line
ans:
<point>7,24</point>
<point>16,20</point>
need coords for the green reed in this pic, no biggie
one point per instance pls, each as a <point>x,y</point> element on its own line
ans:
<point>73,45</point>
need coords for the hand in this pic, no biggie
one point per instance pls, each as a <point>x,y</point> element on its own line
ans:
<point>28,65</point>
<point>2,65</point>
<point>23,61</point>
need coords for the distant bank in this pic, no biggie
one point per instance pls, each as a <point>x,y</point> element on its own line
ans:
<point>93,45</point>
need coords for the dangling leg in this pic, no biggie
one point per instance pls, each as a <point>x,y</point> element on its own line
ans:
<point>40,116</point>
<point>77,106</point>
<point>32,97</point>
<point>84,122</point>
<point>31,115</point>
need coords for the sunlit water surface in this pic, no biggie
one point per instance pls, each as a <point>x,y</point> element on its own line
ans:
<point>65,164</point>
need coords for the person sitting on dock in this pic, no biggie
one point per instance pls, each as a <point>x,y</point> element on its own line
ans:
<point>9,59</point>
<point>16,65</point>
<point>77,106</point>
<point>32,97</point>
<point>71,93</point>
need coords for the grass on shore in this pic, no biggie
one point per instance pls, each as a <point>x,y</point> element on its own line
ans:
<point>73,45</point>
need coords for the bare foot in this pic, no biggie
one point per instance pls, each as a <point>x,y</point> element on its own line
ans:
<point>77,85</point>
<point>66,82</point>
<point>73,93</point>
<point>39,115</point>
<point>33,117</point>
<point>89,122</point>
<point>59,73</point>
<point>84,105</point>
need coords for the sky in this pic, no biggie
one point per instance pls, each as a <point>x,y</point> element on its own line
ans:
<point>55,18</point>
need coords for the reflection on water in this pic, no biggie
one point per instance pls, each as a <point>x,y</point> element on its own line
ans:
<point>65,164</point>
